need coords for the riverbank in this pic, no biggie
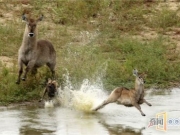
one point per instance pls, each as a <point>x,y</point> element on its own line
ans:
<point>93,39</point>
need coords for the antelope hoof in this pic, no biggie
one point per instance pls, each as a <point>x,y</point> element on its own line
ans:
<point>17,82</point>
<point>93,109</point>
<point>143,114</point>
<point>40,100</point>
<point>24,79</point>
<point>150,105</point>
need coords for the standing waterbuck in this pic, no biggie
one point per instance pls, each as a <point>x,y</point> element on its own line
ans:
<point>34,53</point>
<point>128,97</point>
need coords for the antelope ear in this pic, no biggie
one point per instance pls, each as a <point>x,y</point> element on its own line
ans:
<point>49,80</point>
<point>135,72</point>
<point>40,18</point>
<point>55,83</point>
<point>144,75</point>
<point>24,18</point>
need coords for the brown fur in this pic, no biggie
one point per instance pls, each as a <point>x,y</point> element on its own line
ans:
<point>133,97</point>
<point>34,53</point>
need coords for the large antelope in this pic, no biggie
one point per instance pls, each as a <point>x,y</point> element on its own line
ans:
<point>34,53</point>
<point>128,97</point>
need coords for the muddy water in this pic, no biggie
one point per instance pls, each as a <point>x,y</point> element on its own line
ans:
<point>111,120</point>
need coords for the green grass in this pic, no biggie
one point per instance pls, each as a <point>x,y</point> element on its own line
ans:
<point>148,57</point>
<point>11,92</point>
<point>114,48</point>
<point>10,42</point>
<point>165,19</point>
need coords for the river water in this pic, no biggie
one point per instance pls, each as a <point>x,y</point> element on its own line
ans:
<point>74,116</point>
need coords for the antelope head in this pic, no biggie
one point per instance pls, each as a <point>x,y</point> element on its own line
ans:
<point>31,23</point>
<point>139,78</point>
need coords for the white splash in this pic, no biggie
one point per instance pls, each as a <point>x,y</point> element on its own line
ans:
<point>87,96</point>
<point>49,104</point>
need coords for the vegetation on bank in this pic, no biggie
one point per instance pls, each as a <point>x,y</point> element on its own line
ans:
<point>90,36</point>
